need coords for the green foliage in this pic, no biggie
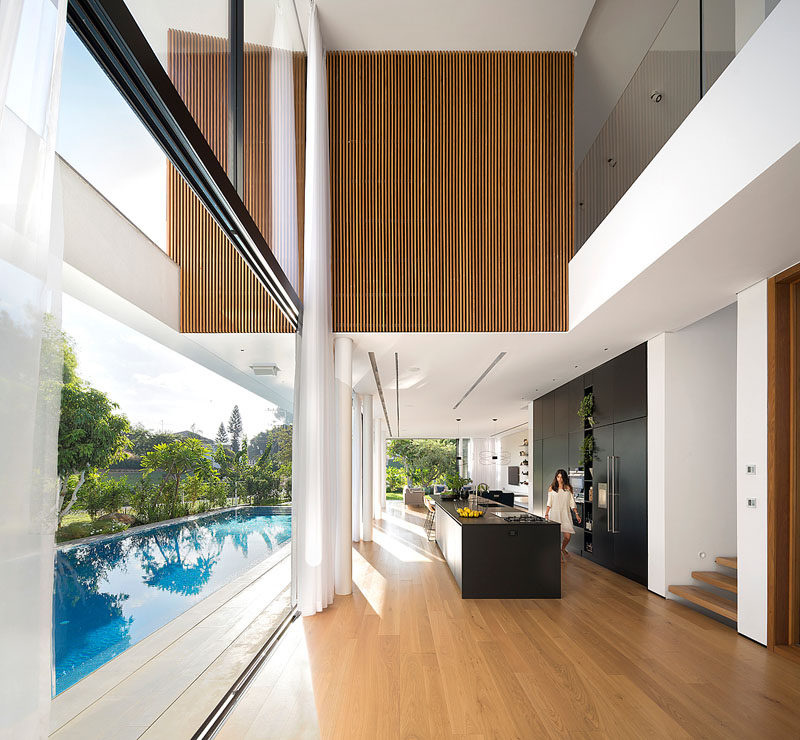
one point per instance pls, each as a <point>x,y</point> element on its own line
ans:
<point>177,459</point>
<point>235,428</point>
<point>586,408</point>
<point>455,482</point>
<point>424,461</point>
<point>102,493</point>
<point>395,480</point>
<point>586,451</point>
<point>90,433</point>
<point>222,435</point>
<point>88,528</point>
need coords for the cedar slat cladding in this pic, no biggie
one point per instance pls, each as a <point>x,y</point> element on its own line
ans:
<point>451,190</point>
<point>219,293</point>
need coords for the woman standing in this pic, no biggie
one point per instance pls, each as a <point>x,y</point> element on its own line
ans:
<point>560,500</point>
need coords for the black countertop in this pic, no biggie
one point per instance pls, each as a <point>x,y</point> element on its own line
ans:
<point>488,519</point>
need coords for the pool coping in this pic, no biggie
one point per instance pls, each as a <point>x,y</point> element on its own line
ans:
<point>70,544</point>
<point>81,696</point>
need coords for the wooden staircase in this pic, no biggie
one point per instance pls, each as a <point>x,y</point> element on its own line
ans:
<point>710,599</point>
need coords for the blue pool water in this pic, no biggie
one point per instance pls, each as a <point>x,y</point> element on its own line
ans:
<point>111,593</point>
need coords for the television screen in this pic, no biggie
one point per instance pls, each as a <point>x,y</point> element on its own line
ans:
<point>513,475</point>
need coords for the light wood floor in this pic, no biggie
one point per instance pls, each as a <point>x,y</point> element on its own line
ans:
<point>406,657</point>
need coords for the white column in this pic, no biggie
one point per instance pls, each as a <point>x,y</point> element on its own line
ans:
<point>530,457</point>
<point>367,483</point>
<point>377,476</point>
<point>343,371</point>
<point>356,478</point>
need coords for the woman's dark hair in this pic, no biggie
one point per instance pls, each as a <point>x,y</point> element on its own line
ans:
<point>564,477</point>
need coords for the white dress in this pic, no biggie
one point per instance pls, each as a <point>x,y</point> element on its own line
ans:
<point>560,502</point>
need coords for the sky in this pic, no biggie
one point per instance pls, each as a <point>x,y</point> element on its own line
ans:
<point>154,385</point>
<point>101,137</point>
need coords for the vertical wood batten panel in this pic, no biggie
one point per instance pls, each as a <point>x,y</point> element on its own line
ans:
<point>219,293</point>
<point>451,190</point>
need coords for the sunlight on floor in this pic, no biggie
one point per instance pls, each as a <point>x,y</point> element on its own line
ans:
<point>369,581</point>
<point>402,552</point>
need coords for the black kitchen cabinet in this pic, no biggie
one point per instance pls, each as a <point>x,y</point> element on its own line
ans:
<point>548,415</point>
<point>620,432</point>
<point>575,442</point>
<point>630,539</point>
<point>536,477</point>
<point>602,539</point>
<point>630,384</point>
<point>603,390</point>
<point>561,410</point>
<point>575,391</point>
<point>555,455</point>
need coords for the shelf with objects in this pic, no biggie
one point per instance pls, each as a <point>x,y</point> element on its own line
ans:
<point>585,411</point>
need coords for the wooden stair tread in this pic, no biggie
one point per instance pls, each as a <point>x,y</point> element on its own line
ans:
<point>719,580</point>
<point>727,561</point>
<point>708,600</point>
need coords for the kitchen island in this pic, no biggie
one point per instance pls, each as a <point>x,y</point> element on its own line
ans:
<point>492,557</point>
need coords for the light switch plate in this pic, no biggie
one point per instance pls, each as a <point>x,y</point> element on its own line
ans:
<point>751,469</point>
<point>751,503</point>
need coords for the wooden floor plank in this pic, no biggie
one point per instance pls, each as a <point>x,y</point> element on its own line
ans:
<point>406,657</point>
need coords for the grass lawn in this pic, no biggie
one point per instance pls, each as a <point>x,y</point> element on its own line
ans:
<point>79,524</point>
<point>394,496</point>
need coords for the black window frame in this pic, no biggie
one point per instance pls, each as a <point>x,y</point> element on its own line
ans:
<point>110,33</point>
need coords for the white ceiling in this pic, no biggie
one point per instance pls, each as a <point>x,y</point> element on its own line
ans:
<point>510,25</point>
<point>698,276</point>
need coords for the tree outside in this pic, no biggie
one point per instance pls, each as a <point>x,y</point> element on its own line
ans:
<point>420,462</point>
<point>112,475</point>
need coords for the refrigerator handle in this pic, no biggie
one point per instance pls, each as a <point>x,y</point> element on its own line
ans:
<point>614,497</point>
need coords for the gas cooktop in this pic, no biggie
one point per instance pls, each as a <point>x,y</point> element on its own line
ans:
<point>519,517</point>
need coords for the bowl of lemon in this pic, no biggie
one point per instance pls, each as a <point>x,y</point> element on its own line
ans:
<point>467,513</point>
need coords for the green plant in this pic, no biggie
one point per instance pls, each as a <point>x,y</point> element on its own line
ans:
<point>424,461</point>
<point>395,480</point>
<point>455,482</point>
<point>177,459</point>
<point>586,451</point>
<point>90,433</point>
<point>586,408</point>
<point>102,493</point>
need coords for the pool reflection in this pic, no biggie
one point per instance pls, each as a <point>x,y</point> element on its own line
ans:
<point>111,593</point>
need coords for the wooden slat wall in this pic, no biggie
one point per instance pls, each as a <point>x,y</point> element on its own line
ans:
<point>219,293</point>
<point>451,190</point>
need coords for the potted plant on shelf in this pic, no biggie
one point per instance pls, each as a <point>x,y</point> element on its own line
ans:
<point>586,409</point>
<point>586,453</point>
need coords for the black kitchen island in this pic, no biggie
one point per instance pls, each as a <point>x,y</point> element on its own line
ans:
<point>494,558</point>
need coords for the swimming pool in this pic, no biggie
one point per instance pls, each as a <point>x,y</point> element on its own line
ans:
<point>111,593</point>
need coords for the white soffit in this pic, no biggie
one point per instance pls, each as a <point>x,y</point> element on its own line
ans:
<point>481,25</point>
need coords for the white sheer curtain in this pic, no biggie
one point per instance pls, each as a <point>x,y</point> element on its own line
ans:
<point>314,483</point>
<point>283,239</point>
<point>31,41</point>
<point>482,469</point>
<point>356,468</point>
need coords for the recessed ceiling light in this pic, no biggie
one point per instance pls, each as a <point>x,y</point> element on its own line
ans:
<point>494,419</point>
<point>459,419</point>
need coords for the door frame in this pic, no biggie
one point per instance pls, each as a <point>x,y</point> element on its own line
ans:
<point>783,462</point>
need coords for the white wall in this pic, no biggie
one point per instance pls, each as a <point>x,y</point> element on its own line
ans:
<point>691,449</point>
<point>751,449</point>
<point>103,245</point>
<point>656,466</point>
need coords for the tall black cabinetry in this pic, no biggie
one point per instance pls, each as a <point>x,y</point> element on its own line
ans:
<point>619,541</point>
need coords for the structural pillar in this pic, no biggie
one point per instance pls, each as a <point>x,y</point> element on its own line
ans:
<point>378,491</point>
<point>343,372</point>
<point>367,483</point>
